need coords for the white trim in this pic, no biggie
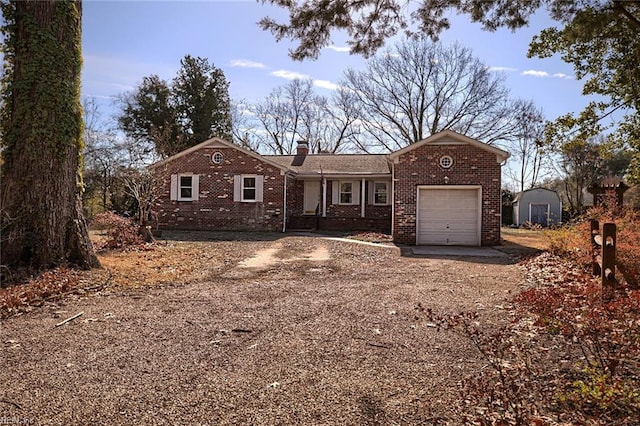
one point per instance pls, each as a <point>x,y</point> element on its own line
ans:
<point>448,158</point>
<point>451,187</point>
<point>217,154</point>
<point>393,201</point>
<point>363,202</point>
<point>324,197</point>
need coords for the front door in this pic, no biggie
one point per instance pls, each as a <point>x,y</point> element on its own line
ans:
<point>311,197</point>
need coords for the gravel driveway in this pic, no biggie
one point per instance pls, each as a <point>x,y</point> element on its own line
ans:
<point>335,337</point>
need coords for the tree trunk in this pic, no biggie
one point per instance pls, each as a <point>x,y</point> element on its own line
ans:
<point>42,221</point>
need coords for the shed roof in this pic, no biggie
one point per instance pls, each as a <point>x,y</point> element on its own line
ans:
<point>520,194</point>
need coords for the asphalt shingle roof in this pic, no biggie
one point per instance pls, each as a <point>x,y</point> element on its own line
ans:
<point>335,164</point>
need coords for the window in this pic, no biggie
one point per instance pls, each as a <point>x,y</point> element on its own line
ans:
<point>217,158</point>
<point>380,193</point>
<point>346,192</point>
<point>248,188</point>
<point>186,188</point>
<point>446,161</point>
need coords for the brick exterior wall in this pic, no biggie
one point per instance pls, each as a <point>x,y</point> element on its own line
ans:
<point>471,166</point>
<point>339,217</point>
<point>215,209</point>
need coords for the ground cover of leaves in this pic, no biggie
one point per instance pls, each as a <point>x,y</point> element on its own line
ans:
<point>188,333</point>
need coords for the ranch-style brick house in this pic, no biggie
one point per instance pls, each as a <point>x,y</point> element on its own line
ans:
<point>443,190</point>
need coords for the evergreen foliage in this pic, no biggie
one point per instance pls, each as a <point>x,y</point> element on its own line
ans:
<point>193,108</point>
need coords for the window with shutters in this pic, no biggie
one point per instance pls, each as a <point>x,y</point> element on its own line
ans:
<point>185,188</point>
<point>248,188</point>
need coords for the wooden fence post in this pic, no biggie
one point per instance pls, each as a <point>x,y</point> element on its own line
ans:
<point>604,257</point>
<point>608,273</point>
<point>595,247</point>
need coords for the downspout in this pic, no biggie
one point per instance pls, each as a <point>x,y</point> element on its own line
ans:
<point>284,205</point>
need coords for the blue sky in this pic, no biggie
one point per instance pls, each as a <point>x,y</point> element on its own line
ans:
<point>124,41</point>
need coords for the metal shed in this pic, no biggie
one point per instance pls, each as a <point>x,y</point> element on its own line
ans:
<point>537,206</point>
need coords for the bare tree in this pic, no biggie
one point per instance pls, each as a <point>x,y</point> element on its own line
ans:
<point>286,115</point>
<point>145,188</point>
<point>340,126</point>
<point>243,126</point>
<point>527,149</point>
<point>419,88</point>
<point>103,156</point>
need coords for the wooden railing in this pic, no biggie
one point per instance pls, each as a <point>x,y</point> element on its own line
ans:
<point>604,256</point>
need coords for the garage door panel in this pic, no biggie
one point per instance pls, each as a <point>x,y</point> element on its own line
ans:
<point>448,216</point>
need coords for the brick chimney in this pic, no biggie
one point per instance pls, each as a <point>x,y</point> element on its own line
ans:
<point>303,148</point>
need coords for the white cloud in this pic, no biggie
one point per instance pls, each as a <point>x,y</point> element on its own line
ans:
<point>289,75</point>
<point>245,63</point>
<point>563,75</point>
<point>325,84</point>
<point>535,73</point>
<point>506,69</point>
<point>341,49</point>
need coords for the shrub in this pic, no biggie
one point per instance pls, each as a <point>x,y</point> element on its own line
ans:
<point>574,241</point>
<point>607,336</point>
<point>121,232</point>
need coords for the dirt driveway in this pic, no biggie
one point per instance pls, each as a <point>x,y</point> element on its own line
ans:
<point>323,332</point>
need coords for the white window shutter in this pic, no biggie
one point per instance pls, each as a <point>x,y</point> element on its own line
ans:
<point>371,187</point>
<point>195,184</point>
<point>356,187</point>
<point>335,192</point>
<point>259,188</point>
<point>237,188</point>
<point>174,188</point>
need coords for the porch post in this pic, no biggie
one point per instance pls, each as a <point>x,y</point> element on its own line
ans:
<point>324,196</point>
<point>363,200</point>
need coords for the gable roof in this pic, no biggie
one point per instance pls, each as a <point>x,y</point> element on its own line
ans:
<point>449,137</point>
<point>217,142</point>
<point>335,164</point>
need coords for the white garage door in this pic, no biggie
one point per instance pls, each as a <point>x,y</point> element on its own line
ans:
<point>449,216</point>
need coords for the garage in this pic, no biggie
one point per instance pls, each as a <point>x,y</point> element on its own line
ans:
<point>449,215</point>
